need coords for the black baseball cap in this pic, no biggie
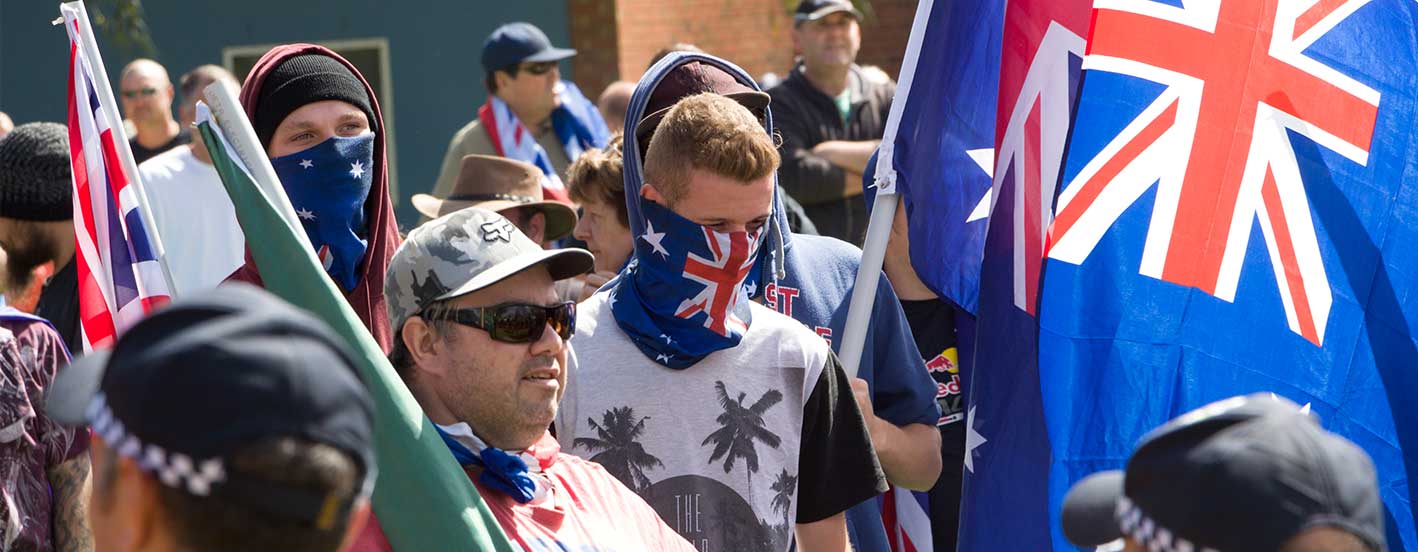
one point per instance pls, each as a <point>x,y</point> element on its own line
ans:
<point>205,377</point>
<point>813,10</point>
<point>1245,474</point>
<point>517,42</point>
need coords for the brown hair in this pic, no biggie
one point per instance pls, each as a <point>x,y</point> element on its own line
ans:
<point>598,176</point>
<point>712,133</point>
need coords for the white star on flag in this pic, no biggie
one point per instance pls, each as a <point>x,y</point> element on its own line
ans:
<point>666,338</point>
<point>749,288</point>
<point>973,440</point>
<point>985,158</point>
<point>306,214</point>
<point>662,357</point>
<point>613,299</point>
<point>654,238</point>
<point>357,169</point>
<point>305,164</point>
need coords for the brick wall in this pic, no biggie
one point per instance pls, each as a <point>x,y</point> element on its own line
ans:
<point>617,38</point>
<point>593,34</point>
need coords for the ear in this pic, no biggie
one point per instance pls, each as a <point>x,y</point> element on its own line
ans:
<point>651,193</point>
<point>141,512</point>
<point>423,343</point>
<point>537,227</point>
<point>502,78</point>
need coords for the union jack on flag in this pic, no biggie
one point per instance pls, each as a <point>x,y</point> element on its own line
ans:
<point>1216,143</point>
<point>120,278</point>
<point>732,254</point>
<point>1236,214</point>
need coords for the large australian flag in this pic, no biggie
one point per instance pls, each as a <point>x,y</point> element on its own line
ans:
<point>944,144</point>
<point>1005,500</point>
<point>1237,213</point>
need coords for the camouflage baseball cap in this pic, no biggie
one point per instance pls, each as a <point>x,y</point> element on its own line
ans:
<point>465,251</point>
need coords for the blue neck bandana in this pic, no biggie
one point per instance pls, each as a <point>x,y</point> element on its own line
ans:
<point>507,473</point>
<point>685,294</point>
<point>328,184</point>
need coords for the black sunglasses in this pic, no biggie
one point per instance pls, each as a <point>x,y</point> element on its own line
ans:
<point>143,92</point>
<point>539,68</point>
<point>514,323</point>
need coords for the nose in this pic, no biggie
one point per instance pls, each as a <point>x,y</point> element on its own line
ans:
<point>549,344</point>
<point>582,230</point>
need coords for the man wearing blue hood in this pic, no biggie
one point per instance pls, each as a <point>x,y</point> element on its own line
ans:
<point>735,422</point>
<point>892,386</point>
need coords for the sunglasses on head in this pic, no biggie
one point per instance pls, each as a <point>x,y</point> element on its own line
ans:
<point>539,68</point>
<point>514,322</point>
<point>140,93</point>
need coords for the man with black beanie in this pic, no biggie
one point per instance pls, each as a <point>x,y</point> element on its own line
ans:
<point>320,124</point>
<point>36,221</point>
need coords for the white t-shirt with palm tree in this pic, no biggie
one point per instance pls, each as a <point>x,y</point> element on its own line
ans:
<point>716,448</point>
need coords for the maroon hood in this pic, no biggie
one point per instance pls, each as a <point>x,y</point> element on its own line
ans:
<point>367,299</point>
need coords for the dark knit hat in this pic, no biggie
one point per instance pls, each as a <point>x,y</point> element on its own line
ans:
<point>305,79</point>
<point>34,173</point>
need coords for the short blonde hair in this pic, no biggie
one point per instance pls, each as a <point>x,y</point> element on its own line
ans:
<point>712,133</point>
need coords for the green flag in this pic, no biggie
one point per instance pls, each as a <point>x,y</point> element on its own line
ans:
<point>423,499</point>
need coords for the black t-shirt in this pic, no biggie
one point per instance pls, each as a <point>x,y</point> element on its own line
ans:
<point>59,304</point>
<point>837,462</point>
<point>933,325</point>
<point>141,154</point>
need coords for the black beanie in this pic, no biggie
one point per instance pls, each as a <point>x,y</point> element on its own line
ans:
<point>304,79</point>
<point>34,173</point>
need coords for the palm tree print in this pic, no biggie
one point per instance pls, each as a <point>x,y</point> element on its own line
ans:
<point>783,488</point>
<point>739,427</point>
<point>617,448</point>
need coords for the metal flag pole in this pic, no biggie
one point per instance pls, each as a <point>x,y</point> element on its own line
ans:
<point>884,211</point>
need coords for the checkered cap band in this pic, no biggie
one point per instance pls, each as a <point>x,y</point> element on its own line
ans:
<point>174,469</point>
<point>1148,533</point>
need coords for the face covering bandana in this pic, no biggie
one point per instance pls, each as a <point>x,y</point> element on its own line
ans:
<point>327,185</point>
<point>685,294</point>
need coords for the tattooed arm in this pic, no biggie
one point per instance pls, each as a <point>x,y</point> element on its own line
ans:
<point>70,481</point>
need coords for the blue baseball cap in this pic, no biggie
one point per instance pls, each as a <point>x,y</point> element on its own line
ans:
<point>517,42</point>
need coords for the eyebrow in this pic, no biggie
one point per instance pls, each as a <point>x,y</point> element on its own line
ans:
<point>306,124</point>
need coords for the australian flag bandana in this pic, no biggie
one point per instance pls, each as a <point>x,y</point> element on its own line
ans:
<point>685,294</point>
<point>328,184</point>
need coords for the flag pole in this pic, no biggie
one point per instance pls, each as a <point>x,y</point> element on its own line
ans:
<point>883,213</point>
<point>109,107</point>
<point>226,108</point>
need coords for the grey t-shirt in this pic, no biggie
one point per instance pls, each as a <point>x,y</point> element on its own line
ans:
<point>733,451</point>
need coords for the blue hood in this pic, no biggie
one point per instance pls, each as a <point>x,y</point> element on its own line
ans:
<point>776,240</point>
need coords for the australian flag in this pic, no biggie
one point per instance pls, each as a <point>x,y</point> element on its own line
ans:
<point>944,146</point>
<point>1005,502</point>
<point>1235,214</point>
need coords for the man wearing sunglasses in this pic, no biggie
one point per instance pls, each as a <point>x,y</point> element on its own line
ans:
<point>482,344</point>
<point>146,94</point>
<point>531,115</point>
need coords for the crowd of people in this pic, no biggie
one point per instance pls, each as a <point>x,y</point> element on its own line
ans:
<point>622,318</point>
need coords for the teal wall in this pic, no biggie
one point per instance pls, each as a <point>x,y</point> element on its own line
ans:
<point>433,57</point>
